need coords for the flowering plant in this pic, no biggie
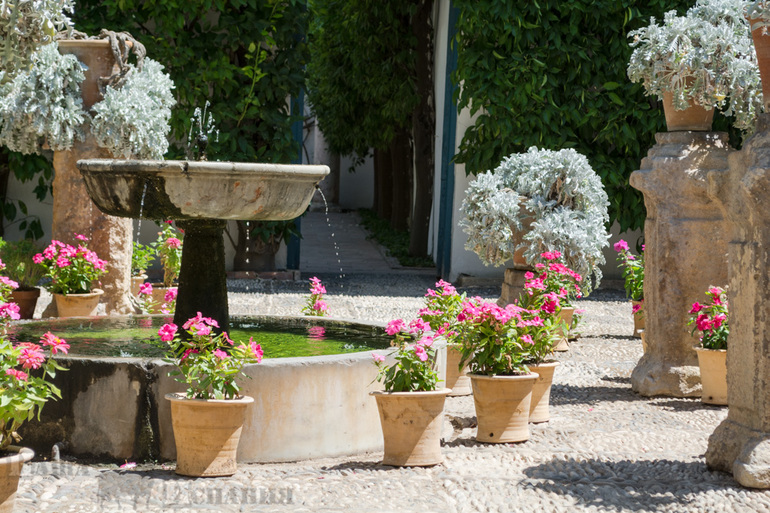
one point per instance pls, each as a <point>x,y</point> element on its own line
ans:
<point>22,394</point>
<point>208,364</point>
<point>711,319</point>
<point>633,270</point>
<point>555,278</point>
<point>500,341</point>
<point>315,305</point>
<point>148,304</point>
<point>415,366</point>
<point>442,306</point>
<point>168,247</point>
<point>72,270</point>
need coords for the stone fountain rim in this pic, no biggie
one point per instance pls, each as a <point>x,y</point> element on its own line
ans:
<point>311,171</point>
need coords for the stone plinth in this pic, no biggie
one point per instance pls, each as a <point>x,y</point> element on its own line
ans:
<point>73,210</point>
<point>741,443</point>
<point>685,254</point>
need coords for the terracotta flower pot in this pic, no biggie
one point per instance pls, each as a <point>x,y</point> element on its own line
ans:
<point>695,118</point>
<point>411,427</point>
<point>78,305</point>
<point>207,432</point>
<point>539,407</point>
<point>456,379</point>
<point>713,375</point>
<point>638,318</point>
<point>159,293</point>
<point>565,314</point>
<point>27,301</point>
<point>502,407</point>
<point>762,48</point>
<point>10,471</point>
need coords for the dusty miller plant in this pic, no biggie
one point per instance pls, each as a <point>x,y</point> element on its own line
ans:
<point>706,56</point>
<point>25,26</point>
<point>759,14</point>
<point>132,121</point>
<point>558,193</point>
<point>43,104</point>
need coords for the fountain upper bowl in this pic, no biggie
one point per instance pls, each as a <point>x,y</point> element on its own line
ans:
<point>180,189</point>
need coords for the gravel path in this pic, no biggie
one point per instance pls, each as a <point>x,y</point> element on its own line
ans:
<point>605,448</point>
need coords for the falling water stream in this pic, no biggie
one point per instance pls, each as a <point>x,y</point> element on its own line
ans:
<point>334,241</point>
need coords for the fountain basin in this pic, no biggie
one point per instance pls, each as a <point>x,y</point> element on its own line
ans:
<point>180,189</point>
<point>114,409</point>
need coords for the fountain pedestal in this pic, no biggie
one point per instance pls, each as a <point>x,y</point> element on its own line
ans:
<point>684,255</point>
<point>202,277</point>
<point>741,443</point>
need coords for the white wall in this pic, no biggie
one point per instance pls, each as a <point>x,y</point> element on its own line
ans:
<point>357,188</point>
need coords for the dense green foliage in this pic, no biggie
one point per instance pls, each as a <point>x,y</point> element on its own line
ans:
<point>244,56</point>
<point>552,74</point>
<point>360,73</point>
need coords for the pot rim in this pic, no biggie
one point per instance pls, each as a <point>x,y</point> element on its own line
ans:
<point>94,292</point>
<point>181,397</point>
<point>550,363</point>
<point>440,391</point>
<point>23,454</point>
<point>700,348</point>
<point>531,375</point>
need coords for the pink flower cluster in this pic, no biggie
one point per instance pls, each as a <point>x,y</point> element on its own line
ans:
<point>200,326</point>
<point>447,289</point>
<point>63,255</point>
<point>316,306</point>
<point>173,243</point>
<point>477,312</point>
<point>316,287</point>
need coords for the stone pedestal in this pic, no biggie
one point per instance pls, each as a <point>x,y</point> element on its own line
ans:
<point>73,210</point>
<point>741,443</point>
<point>685,254</point>
<point>202,277</point>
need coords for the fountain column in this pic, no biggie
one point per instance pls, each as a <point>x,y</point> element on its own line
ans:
<point>741,443</point>
<point>202,277</point>
<point>685,254</point>
<point>73,210</point>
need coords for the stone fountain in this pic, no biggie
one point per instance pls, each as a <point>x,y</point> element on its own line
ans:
<point>201,196</point>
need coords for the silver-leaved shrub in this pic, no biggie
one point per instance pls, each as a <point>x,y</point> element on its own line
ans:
<point>540,200</point>
<point>43,103</point>
<point>132,121</point>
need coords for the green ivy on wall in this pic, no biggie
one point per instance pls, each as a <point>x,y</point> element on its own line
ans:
<point>552,74</point>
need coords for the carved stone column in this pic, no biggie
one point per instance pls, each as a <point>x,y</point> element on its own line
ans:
<point>685,253</point>
<point>73,210</point>
<point>741,443</point>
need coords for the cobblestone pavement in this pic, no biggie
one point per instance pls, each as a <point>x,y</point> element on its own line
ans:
<point>605,448</point>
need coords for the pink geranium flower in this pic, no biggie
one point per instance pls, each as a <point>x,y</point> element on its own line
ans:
<point>31,355</point>
<point>19,375</point>
<point>145,289</point>
<point>621,245</point>
<point>167,332</point>
<point>55,343</point>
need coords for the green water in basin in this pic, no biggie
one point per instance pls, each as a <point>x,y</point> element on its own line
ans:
<point>132,336</point>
